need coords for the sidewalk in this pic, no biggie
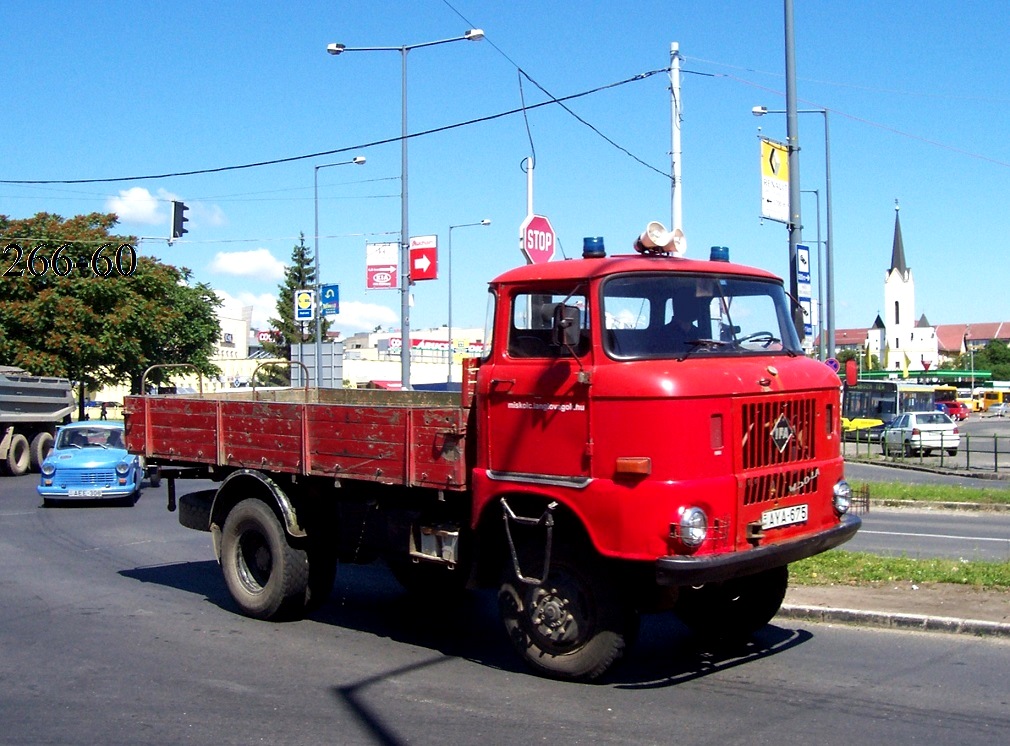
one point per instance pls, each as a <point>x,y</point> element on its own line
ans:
<point>938,607</point>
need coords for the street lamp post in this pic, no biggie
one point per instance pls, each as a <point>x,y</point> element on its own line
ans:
<point>485,221</point>
<point>829,249</point>
<point>357,160</point>
<point>335,49</point>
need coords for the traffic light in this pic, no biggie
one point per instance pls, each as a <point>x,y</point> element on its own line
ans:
<point>178,219</point>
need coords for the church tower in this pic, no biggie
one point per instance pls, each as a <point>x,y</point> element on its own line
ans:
<point>899,304</point>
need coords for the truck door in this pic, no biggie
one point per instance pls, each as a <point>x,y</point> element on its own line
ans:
<point>537,404</point>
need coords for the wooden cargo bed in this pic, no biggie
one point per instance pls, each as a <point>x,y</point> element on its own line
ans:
<point>412,438</point>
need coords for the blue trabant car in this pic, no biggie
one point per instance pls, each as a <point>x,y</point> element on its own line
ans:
<point>89,461</point>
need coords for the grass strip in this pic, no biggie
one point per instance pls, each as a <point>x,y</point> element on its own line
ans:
<point>936,493</point>
<point>841,567</point>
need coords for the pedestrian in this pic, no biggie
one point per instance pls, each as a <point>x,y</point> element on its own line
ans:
<point>104,414</point>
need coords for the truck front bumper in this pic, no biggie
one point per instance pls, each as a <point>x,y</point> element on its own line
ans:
<point>714,568</point>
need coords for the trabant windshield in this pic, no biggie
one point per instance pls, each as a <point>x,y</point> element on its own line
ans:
<point>680,316</point>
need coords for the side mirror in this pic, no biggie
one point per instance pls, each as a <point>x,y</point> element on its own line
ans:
<point>851,374</point>
<point>566,331</point>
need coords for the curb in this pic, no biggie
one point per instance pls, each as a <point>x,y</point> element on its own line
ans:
<point>893,620</point>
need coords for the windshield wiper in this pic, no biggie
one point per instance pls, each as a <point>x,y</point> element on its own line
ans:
<point>694,344</point>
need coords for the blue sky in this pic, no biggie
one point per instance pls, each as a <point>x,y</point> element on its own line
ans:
<point>917,91</point>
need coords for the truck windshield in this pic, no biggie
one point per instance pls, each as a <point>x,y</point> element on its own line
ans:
<point>673,315</point>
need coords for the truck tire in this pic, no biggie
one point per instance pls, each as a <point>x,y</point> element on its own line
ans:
<point>18,458</point>
<point>574,626</point>
<point>734,609</point>
<point>40,447</point>
<point>194,509</point>
<point>322,574</point>
<point>267,577</point>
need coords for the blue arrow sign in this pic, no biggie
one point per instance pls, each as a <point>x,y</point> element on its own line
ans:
<point>330,299</point>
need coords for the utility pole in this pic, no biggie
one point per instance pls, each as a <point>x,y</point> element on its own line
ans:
<point>793,142</point>
<point>676,214</point>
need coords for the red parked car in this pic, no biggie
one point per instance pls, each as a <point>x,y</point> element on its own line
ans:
<point>956,410</point>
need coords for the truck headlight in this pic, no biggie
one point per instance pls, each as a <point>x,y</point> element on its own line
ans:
<point>693,526</point>
<point>842,497</point>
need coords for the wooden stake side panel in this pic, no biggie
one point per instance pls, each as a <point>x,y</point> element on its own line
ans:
<point>173,428</point>
<point>262,435</point>
<point>409,445</point>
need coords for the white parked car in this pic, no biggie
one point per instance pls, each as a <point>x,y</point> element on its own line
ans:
<point>1000,410</point>
<point>920,432</point>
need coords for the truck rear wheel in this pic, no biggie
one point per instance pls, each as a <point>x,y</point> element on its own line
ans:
<point>573,626</point>
<point>734,609</point>
<point>267,577</point>
<point>40,447</point>
<point>18,458</point>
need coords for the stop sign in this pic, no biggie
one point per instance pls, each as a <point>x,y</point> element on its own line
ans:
<point>537,239</point>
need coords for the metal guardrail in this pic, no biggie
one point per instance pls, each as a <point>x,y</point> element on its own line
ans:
<point>975,453</point>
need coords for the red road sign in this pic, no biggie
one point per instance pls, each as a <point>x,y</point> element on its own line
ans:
<point>537,239</point>
<point>423,258</point>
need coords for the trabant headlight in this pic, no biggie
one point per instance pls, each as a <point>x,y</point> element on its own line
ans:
<point>122,468</point>
<point>842,497</point>
<point>48,469</point>
<point>693,526</point>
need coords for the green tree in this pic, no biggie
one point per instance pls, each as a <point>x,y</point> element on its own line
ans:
<point>299,274</point>
<point>68,309</point>
<point>995,357</point>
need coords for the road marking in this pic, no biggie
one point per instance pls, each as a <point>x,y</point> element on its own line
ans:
<point>933,536</point>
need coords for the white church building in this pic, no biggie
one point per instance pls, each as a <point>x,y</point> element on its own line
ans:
<point>899,340</point>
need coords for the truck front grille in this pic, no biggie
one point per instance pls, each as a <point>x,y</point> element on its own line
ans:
<point>770,487</point>
<point>776,431</point>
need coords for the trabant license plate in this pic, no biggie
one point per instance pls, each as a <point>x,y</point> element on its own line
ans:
<point>784,516</point>
<point>85,493</point>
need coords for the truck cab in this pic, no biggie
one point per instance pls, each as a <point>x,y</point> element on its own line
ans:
<point>666,410</point>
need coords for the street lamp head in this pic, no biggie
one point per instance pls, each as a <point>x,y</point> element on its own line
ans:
<point>358,160</point>
<point>474,34</point>
<point>759,111</point>
<point>335,48</point>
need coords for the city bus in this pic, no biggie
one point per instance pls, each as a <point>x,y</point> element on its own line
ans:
<point>869,405</point>
<point>991,397</point>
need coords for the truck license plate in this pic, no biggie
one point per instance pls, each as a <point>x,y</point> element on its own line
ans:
<point>784,516</point>
<point>85,493</point>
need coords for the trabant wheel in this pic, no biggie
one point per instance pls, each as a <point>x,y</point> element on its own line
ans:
<point>573,626</point>
<point>267,577</point>
<point>736,608</point>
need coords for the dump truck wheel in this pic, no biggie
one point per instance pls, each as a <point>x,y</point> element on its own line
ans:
<point>18,458</point>
<point>40,447</point>
<point>267,577</point>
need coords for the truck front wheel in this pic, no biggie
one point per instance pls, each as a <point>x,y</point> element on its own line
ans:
<point>267,577</point>
<point>573,626</point>
<point>734,609</point>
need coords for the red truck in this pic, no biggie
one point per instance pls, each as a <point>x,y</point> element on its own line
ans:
<point>641,433</point>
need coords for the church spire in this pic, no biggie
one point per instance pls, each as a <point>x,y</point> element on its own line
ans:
<point>898,249</point>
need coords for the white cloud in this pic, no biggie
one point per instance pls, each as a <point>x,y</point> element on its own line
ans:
<point>137,205</point>
<point>258,263</point>
<point>356,316</point>
<point>264,306</point>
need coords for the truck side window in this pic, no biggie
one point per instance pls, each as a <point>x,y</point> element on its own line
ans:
<point>530,333</point>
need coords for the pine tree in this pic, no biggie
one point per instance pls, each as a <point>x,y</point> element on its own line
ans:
<point>298,275</point>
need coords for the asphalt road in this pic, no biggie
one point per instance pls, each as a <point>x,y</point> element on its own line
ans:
<point>115,628</point>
